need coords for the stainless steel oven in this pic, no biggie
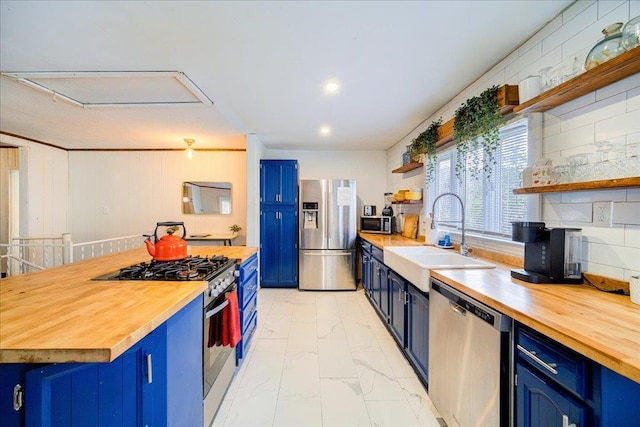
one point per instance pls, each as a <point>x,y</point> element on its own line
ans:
<point>218,357</point>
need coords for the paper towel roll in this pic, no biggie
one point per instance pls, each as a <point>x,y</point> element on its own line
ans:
<point>634,289</point>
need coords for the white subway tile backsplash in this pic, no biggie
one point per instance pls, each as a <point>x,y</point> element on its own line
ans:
<point>524,59</point>
<point>634,8</point>
<point>603,235</point>
<point>606,7</point>
<point>566,140</point>
<point>603,270</point>
<point>568,212</point>
<point>551,125</point>
<point>633,195</point>
<point>622,86</point>
<point>576,9</point>
<point>619,125</point>
<point>614,255</point>
<point>573,105</point>
<point>633,98</point>
<point>594,196</point>
<point>632,236</point>
<point>571,26</point>
<point>626,213</point>
<point>607,108</point>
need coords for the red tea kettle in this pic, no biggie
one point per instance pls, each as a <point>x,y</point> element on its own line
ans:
<point>169,247</point>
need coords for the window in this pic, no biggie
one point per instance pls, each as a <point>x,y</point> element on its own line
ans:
<point>490,205</point>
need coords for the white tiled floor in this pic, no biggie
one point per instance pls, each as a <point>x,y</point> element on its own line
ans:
<point>323,359</point>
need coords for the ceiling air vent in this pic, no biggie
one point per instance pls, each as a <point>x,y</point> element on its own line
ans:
<point>115,89</point>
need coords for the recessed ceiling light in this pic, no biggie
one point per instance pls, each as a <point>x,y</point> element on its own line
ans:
<point>325,130</point>
<point>331,87</point>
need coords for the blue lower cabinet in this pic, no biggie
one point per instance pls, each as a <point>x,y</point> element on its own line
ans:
<point>417,347</point>
<point>248,301</point>
<point>157,382</point>
<point>379,288</point>
<point>129,390</point>
<point>540,404</point>
<point>397,303</point>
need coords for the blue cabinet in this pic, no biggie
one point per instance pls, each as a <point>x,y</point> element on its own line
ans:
<point>128,390</point>
<point>397,303</point>
<point>555,386</point>
<point>158,381</point>
<point>248,301</point>
<point>417,347</point>
<point>279,223</point>
<point>380,288</point>
<point>279,182</point>
<point>365,253</point>
<point>278,246</point>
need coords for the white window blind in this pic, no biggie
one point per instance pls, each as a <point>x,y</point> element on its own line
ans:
<point>490,205</point>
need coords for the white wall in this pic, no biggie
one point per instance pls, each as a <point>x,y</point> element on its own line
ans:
<point>364,166</point>
<point>44,192</point>
<point>118,193</point>
<point>610,113</point>
<point>255,151</point>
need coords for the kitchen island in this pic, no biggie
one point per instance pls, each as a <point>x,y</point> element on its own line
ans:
<point>146,337</point>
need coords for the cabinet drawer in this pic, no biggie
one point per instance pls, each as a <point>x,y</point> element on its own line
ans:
<point>248,267</point>
<point>553,361</point>
<point>366,246</point>
<point>247,289</point>
<point>243,346</point>
<point>377,253</point>
<point>247,312</point>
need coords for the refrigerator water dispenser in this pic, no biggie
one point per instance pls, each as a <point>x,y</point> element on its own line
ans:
<point>310,215</point>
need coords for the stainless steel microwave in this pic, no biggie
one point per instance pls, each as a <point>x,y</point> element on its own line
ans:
<point>376,224</point>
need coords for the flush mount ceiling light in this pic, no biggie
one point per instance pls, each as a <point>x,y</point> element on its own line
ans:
<point>331,87</point>
<point>113,89</point>
<point>325,130</point>
<point>189,150</point>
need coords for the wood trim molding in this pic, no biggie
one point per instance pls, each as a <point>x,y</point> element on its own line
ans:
<point>114,149</point>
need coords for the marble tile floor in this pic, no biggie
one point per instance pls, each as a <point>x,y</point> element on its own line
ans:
<point>323,359</point>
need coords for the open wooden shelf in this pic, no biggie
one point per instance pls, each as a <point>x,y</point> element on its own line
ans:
<point>408,167</point>
<point>618,68</point>
<point>507,100</point>
<point>582,186</point>
<point>407,202</point>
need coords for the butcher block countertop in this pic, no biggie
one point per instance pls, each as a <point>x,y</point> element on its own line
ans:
<point>382,240</point>
<point>602,326</point>
<point>61,315</point>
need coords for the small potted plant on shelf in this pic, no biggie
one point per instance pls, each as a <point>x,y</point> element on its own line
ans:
<point>476,125</point>
<point>235,228</point>
<point>425,143</point>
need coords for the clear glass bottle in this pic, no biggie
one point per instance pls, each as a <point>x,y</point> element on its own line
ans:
<point>631,34</point>
<point>607,48</point>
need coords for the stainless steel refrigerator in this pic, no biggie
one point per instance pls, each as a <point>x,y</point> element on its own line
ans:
<point>327,251</point>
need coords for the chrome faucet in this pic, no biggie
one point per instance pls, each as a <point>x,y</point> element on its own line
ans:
<point>464,249</point>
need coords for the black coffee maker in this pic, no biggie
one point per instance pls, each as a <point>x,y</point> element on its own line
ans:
<point>551,255</point>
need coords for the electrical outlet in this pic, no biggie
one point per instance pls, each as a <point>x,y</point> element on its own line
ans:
<point>602,214</point>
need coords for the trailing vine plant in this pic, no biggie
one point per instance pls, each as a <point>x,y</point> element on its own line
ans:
<point>477,125</point>
<point>425,143</point>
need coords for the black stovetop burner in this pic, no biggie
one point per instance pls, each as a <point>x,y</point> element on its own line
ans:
<point>190,268</point>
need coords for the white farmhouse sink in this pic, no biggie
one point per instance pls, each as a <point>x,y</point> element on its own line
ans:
<point>415,262</point>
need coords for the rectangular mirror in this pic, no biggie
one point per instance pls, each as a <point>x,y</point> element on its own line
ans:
<point>206,198</point>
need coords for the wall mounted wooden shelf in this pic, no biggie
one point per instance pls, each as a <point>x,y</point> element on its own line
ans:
<point>604,184</point>
<point>407,202</point>
<point>507,99</point>
<point>408,167</point>
<point>618,68</point>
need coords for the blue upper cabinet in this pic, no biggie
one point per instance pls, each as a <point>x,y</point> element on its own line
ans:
<point>279,182</point>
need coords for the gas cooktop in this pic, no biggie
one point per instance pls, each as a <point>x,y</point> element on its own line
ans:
<point>190,268</point>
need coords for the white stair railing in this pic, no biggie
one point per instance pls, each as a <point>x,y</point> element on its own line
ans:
<point>30,254</point>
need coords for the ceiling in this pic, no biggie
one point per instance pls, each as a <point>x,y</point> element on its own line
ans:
<point>263,64</point>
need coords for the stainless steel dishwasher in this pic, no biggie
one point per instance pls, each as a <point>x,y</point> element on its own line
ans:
<point>470,360</point>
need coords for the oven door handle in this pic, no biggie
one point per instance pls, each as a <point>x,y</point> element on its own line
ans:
<point>216,310</point>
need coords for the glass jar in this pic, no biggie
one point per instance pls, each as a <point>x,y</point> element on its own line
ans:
<point>607,48</point>
<point>631,34</point>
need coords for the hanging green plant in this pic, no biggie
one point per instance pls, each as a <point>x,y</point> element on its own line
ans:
<point>425,143</point>
<point>477,125</point>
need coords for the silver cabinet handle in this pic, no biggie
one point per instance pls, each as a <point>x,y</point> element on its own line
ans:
<point>565,422</point>
<point>532,354</point>
<point>149,369</point>
<point>18,397</point>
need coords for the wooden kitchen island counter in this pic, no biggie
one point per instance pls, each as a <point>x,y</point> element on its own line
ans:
<point>61,315</point>
<point>602,326</point>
